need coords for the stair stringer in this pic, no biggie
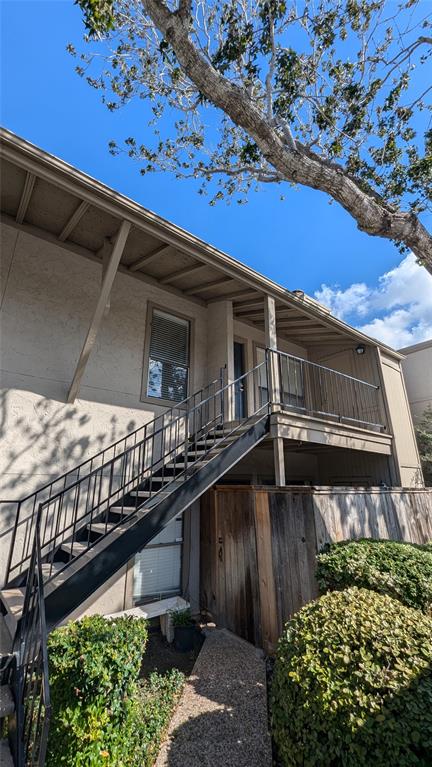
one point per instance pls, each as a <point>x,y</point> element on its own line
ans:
<point>83,582</point>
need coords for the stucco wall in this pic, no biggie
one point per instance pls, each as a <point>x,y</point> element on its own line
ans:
<point>48,301</point>
<point>405,452</point>
<point>48,296</point>
<point>417,370</point>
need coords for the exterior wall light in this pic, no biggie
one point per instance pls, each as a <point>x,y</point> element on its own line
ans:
<point>360,349</point>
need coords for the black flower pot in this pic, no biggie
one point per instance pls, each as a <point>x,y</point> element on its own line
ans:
<point>184,638</point>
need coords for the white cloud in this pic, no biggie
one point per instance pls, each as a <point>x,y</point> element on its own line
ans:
<point>396,311</point>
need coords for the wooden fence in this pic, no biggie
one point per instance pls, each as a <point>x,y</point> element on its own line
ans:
<point>258,546</point>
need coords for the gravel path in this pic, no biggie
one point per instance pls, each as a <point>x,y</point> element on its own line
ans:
<point>221,719</point>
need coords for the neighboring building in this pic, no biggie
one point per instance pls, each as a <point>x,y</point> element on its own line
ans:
<point>110,316</point>
<point>417,370</point>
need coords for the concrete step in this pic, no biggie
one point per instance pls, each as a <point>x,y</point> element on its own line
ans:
<point>49,569</point>
<point>123,510</point>
<point>180,464</point>
<point>5,754</point>
<point>148,494</point>
<point>74,548</point>
<point>101,528</point>
<point>7,703</point>
<point>13,600</point>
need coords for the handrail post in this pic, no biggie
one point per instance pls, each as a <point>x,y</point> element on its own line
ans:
<point>12,543</point>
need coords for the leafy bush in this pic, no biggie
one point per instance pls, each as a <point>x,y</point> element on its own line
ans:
<point>352,684</point>
<point>103,714</point>
<point>401,570</point>
<point>94,668</point>
<point>182,617</point>
<point>157,698</point>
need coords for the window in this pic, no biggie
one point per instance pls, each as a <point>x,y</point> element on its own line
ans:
<point>157,571</point>
<point>168,365</point>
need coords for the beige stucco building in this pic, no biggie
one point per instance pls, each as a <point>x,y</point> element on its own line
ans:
<point>110,315</point>
<point>417,370</point>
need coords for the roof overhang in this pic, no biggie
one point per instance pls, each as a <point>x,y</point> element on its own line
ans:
<point>49,198</point>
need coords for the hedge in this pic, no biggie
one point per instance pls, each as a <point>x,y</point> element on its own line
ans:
<point>102,714</point>
<point>94,668</point>
<point>157,698</point>
<point>401,570</point>
<point>352,684</point>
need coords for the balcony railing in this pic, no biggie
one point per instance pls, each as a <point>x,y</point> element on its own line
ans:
<point>314,390</point>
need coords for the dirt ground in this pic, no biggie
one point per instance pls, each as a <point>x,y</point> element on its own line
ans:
<point>161,656</point>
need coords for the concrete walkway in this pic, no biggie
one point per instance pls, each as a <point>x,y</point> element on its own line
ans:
<point>221,719</point>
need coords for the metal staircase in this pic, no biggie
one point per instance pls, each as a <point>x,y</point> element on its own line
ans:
<point>76,532</point>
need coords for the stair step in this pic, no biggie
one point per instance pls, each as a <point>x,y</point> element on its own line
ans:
<point>49,569</point>
<point>125,510</point>
<point>101,528</point>
<point>148,494</point>
<point>13,600</point>
<point>5,754</point>
<point>181,464</point>
<point>74,547</point>
<point>7,703</point>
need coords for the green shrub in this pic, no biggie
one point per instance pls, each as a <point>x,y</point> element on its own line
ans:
<point>157,697</point>
<point>182,617</point>
<point>401,570</point>
<point>352,684</point>
<point>94,669</point>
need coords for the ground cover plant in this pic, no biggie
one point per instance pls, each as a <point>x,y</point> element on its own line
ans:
<point>401,570</point>
<point>352,684</point>
<point>102,713</point>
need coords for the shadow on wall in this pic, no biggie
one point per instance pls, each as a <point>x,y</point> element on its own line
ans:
<point>53,441</point>
<point>398,515</point>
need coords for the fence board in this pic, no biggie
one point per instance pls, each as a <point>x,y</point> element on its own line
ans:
<point>259,544</point>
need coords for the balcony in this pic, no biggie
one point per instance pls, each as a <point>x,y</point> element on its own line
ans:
<point>313,403</point>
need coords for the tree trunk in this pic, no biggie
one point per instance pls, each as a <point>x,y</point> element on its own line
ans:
<point>300,165</point>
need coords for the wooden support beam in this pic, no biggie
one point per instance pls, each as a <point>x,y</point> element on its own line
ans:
<point>279,461</point>
<point>73,221</point>
<point>236,294</point>
<point>299,324</point>
<point>250,314</point>
<point>311,331</point>
<point>91,255</point>
<point>271,343</point>
<point>159,251</point>
<point>185,272</point>
<point>25,197</point>
<point>108,279</point>
<point>208,285</point>
<point>240,305</point>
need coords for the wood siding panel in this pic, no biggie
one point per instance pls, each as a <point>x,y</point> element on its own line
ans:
<point>259,544</point>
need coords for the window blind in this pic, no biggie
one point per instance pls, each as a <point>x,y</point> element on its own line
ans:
<point>158,566</point>
<point>169,357</point>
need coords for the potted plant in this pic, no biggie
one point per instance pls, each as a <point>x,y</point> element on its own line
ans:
<point>184,630</point>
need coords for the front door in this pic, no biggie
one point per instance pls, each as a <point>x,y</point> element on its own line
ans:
<point>240,387</point>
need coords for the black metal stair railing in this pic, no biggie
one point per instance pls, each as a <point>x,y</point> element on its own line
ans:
<point>165,454</point>
<point>24,511</point>
<point>32,693</point>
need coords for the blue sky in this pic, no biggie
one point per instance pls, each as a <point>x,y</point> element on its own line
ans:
<point>302,242</point>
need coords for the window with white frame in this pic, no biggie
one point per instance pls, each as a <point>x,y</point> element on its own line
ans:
<point>168,363</point>
<point>157,571</point>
